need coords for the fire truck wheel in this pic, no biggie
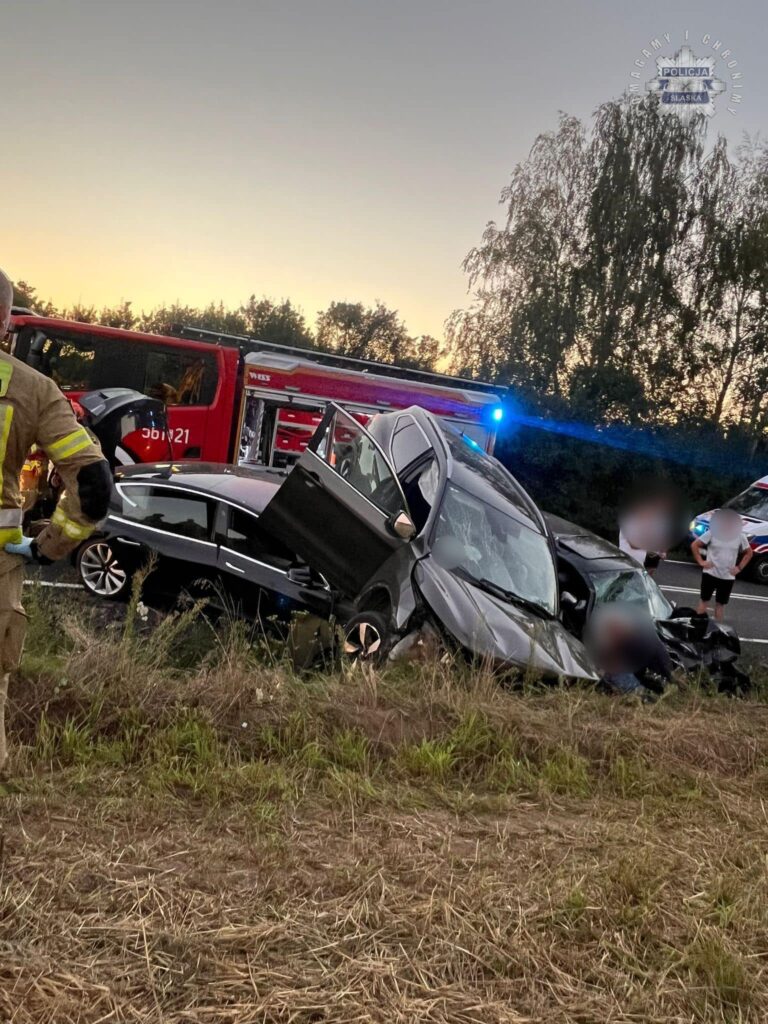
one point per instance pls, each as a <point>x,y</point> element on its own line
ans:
<point>367,637</point>
<point>100,572</point>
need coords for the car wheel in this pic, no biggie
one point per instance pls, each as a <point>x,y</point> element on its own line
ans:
<point>367,637</point>
<point>760,569</point>
<point>100,572</point>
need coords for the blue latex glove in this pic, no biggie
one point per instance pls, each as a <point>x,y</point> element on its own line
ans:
<point>24,548</point>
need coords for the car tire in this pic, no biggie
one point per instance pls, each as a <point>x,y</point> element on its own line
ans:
<point>100,572</point>
<point>760,569</point>
<point>367,638</point>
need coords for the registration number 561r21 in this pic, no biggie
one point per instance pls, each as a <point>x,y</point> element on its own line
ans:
<point>176,435</point>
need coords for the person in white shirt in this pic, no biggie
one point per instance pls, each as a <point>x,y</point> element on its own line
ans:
<point>722,552</point>
<point>639,554</point>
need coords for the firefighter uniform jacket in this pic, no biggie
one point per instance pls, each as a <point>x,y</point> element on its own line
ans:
<point>34,411</point>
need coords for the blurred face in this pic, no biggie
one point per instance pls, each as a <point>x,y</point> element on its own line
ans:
<point>726,524</point>
<point>655,522</point>
<point>648,526</point>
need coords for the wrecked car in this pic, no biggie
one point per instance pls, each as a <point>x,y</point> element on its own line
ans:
<point>197,524</point>
<point>412,522</point>
<point>594,574</point>
<point>403,531</point>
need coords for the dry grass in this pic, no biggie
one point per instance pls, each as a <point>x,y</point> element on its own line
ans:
<point>192,833</point>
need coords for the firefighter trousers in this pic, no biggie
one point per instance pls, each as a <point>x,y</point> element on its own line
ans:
<point>13,626</point>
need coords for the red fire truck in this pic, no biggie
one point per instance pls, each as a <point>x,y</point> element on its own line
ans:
<point>237,399</point>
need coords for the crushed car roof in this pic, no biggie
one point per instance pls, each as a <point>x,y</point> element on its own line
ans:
<point>585,544</point>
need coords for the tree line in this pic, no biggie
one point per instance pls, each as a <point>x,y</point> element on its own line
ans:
<point>623,299</point>
<point>348,328</point>
<point>627,282</point>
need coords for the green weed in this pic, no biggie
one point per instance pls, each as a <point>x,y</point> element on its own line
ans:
<point>566,772</point>
<point>188,741</point>
<point>630,776</point>
<point>508,773</point>
<point>431,759</point>
<point>349,749</point>
<point>721,972</point>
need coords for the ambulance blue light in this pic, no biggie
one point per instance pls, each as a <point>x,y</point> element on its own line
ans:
<point>498,414</point>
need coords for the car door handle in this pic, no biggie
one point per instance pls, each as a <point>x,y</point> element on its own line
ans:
<point>235,568</point>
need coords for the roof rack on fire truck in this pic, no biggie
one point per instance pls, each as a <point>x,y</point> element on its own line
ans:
<point>248,345</point>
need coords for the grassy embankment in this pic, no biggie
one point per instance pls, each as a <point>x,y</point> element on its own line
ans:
<point>191,833</point>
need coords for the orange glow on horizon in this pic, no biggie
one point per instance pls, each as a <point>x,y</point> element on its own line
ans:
<point>102,279</point>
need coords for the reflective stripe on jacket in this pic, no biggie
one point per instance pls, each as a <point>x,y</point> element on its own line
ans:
<point>33,411</point>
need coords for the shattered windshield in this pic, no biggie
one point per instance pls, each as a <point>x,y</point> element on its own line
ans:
<point>494,548</point>
<point>752,502</point>
<point>631,586</point>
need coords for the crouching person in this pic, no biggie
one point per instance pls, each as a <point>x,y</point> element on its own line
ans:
<point>33,411</point>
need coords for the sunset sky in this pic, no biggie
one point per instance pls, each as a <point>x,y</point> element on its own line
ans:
<point>309,149</point>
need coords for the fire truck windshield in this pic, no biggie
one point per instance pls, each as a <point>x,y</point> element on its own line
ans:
<point>85,362</point>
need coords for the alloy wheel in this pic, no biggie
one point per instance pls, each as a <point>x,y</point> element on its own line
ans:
<point>363,641</point>
<point>100,571</point>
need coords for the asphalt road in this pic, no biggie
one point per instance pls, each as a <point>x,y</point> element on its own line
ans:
<point>747,611</point>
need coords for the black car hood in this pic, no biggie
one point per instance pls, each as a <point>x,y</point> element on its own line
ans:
<point>495,629</point>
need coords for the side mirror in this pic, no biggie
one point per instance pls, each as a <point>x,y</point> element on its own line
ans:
<point>401,525</point>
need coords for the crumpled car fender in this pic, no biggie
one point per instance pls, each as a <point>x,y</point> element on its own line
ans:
<point>501,632</point>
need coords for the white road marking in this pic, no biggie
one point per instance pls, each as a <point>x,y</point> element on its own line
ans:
<point>751,640</point>
<point>46,583</point>
<point>734,597</point>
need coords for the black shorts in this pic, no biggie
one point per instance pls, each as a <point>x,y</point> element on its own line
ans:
<point>652,560</point>
<point>712,585</point>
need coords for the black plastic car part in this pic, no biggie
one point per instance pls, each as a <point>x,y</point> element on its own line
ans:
<point>130,427</point>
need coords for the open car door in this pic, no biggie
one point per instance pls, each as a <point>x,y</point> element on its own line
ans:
<point>341,509</point>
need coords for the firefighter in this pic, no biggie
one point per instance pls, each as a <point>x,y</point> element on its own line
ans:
<point>34,411</point>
